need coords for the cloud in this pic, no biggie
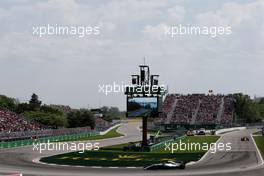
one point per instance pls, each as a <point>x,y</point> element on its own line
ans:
<point>233,13</point>
<point>67,70</point>
<point>176,14</point>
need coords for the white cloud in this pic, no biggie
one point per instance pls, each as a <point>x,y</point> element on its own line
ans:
<point>176,14</point>
<point>233,14</point>
<point>3,13</point>
<point>156,32</point>
<point>68,70</point>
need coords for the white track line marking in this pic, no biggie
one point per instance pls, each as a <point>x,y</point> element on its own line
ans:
<point>260,156</point>
<point>207,153</point>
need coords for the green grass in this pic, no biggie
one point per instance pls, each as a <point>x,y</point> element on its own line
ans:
<point>118,147</point>
<point>111,134</point>
<point>27,142</point>
<point>118,158</point>
<point>192,139</point>
<point>115,156</point>
<point>77,137</point>
<point>260,143</point>
<point>258,133</point>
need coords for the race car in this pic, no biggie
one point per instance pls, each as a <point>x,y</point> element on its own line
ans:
<point>244,138</point>
<point>200,132</point>
<point>190,133</point>
<point>166,165</point>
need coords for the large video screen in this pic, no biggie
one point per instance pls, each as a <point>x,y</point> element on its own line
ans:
<point>142,106</point>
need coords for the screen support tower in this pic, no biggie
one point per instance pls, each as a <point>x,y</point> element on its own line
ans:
<point>144,79</point>
<point>144,131</point>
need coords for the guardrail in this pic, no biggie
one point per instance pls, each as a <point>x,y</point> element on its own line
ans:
<point>162,144</point>
<point>221,131</point>
<point>57,138</point>
<point>109,129</point>
<point>28,142</point>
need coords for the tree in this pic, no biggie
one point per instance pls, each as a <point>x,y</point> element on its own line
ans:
<point>34,102</point>
<point>104,109</point>
<point>23,107</point>
<point>261,101</point>
<point>261,110</point>
<point>8,103</point>
<point>246,109</point>
<point>87,118</point>
<point>111,113</point>
<point>47,118</point>
<point>81,118</point>
<point>49,109</point>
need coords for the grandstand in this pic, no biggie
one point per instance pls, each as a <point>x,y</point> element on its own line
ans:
<point>198,109</point>
<point>12,122</point>
<point>14,127</point>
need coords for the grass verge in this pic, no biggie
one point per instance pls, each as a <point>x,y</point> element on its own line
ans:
<point>115,156</point>
<point>260,144</point>
<point>118,158</point>
<point>66,138</point>
<point>198,140</point>
<point>111,134</point>
<point>258,133</point>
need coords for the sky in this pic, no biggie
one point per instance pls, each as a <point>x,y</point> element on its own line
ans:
<point>68,70</point>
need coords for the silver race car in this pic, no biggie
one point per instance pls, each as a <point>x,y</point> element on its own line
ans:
<point>166,165</point>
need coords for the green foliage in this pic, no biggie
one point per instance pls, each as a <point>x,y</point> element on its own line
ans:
<point>33,105</point>
<point>247,109</point>
<point>48,109</point>
<point>42,113</point>
<point>34,102</point>
<point>23,107</point>
<point>261,110</point>
<point>112,113</point>
<point>8,103</point>
<point>47,118</point>
<point>261,101</point>
<point>81,118</point>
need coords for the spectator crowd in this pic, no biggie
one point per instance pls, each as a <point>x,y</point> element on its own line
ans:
<point>198,108</point>
<point>14,126</point>
<point>12,122</point>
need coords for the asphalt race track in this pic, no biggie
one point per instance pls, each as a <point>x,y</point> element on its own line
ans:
<point>243,159</point>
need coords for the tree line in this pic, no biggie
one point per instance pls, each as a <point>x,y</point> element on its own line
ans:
<point>247,109</point>
<point>56,117</point>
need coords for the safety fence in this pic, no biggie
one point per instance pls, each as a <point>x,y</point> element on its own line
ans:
<point>28,142</point>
